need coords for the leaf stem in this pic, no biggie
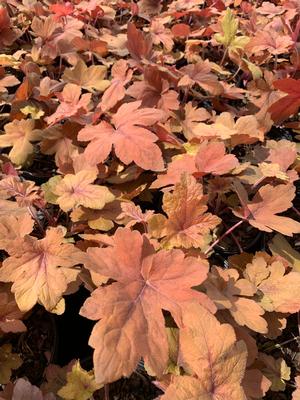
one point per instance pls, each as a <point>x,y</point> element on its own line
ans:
<point>32,212</point>
<point>224,235</point>
<point>106,391</point>
<point>235,239</point>
<point>296,211</point>
<point>224,56</point>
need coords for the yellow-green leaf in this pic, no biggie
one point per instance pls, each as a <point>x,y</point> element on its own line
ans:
<point>230,27</point>
<point>80,384</point>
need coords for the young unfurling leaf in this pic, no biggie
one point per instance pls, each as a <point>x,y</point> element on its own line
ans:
<point>187,223</point>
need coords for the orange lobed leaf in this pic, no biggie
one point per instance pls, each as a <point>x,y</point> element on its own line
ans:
<point>268,201</point>
<point>245,130</point>
<point>41,269</point>
<point>188,224</point>
<point>18,135</point>
<point>132,142</point>
<point>90,78</point>
<point>77,190</point>
<point>131,322</point>
<point>121,74</point>
<point>212,356</point>
<point>212,159</point>
<point>154,91</point>
<point>13,228</point>
<point>279,289</point>
<point>72,104</point>
<point>231,293</point>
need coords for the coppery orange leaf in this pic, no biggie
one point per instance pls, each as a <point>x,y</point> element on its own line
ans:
<point>131,322</point>
<point>132,142</point>
<point>188,224</point>
<point>41,270</point>
<point>268,201</point>
<point>279,289</point>
<point>212,356</point>
<point>77,190</point>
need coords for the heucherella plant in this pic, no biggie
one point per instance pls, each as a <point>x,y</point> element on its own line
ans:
<point>149,200</point>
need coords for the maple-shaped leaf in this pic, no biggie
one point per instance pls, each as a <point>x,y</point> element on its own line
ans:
<point>131,322</point>
<point>41,269</point>
<point>18,135</point>
<point>160,33</point>
<point>274,42</point>
<point>201,74</point>
<point>88,78</point>
<point>185,163</point>
<point>8,362</point>
<point>233,294</point>
<point>212,159</point>
<point>131,140</point>
<point>286,105</point>
<point>72,104</point>
<point>245,130</point>
<point>77,190</point>
<point>80,384</point>
<point>212,356</point>
<point>193,116</point>
<point>24,390</point>
<point>267,202</point>
<point>10,315</point>
<point>154,91</point>
<point>278,288</point>
<point>132,214</point>
<point>121,74</point>
<point>188,224</point>
<point>24,192</point>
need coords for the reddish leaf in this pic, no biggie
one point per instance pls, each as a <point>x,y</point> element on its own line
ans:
<point>138,44</point>
<point>287,105</point>
<point>180,30</point>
